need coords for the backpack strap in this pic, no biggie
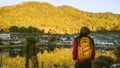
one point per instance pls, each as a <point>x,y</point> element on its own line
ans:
<point>90,41</point>
<point>78,40</point>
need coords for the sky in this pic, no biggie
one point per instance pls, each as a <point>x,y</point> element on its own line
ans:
<point>94,6</point>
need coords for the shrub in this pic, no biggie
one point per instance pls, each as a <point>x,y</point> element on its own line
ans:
<point>103,61</point>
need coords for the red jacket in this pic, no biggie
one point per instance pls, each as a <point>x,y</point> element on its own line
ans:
<point>74,51</point>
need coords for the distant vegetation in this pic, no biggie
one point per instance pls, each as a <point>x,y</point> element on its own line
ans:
<point>29,31</point>
<point>56,19</point>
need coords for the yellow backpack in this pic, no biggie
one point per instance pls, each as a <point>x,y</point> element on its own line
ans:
<point>84,48</point>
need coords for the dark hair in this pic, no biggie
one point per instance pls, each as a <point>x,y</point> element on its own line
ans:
<point>84,30</point>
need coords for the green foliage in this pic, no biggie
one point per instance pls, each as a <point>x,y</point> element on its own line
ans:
<point>13,29</point>
<point>0,41</point>
<point>117,51</point>
<point>118,60</point>
<point>58,19</point>
<point>103,61</point>
<point>30,31</point>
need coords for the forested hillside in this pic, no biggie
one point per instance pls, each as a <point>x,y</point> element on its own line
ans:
<point>56,19</point>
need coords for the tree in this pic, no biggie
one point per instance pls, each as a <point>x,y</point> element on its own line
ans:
<point>14,29</point>
<point>22,29</point>
<point>0,41</point>
<point>42,31</point>
<point>2,31</point>
<point>31,53</point>
<point>33,29</point>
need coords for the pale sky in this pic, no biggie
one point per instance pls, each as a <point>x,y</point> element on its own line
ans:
<point>85,5</point>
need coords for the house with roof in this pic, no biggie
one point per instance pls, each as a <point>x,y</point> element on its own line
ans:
<point>5,38</point>
<point>10,38</point>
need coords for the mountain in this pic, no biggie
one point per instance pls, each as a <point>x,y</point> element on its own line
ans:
<point>56,19</point>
